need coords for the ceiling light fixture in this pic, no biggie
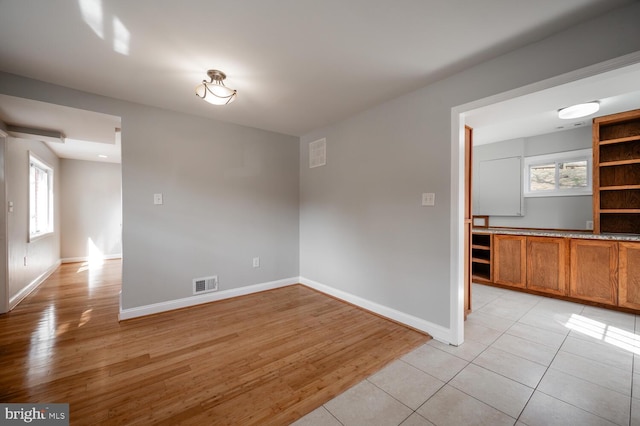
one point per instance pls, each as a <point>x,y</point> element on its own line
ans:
<point>579,110</point>
<point>214,91</point>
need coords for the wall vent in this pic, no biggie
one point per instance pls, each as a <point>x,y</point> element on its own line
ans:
<point>205,284</point>
<point>318,153</point>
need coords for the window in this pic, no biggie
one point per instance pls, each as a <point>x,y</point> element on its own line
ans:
<point>560,174</point>
<point>40,198</point>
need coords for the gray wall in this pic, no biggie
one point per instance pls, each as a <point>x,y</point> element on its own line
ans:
<point>91,208</point>
<point>541,212</point>
<point>43,253</point>
<point>230,194</point>
<point>362,229</point>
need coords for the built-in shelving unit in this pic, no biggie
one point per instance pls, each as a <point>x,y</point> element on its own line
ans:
<point>481,257</point>
<point>616,173</point>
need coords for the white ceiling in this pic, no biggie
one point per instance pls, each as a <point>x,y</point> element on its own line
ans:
<point>537,113</point>
<point>297,64</point>
<point>88,135</point>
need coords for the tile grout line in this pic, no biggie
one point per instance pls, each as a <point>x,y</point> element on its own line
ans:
<point>546,369</point>
<point>468,363</point>
<point>549,367</point>
<point>490,345</point>
<point>479,366</point>
<point>542,377</point>
<point>545,372</point>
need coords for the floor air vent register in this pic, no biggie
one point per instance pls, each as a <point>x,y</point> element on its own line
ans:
<point>205,284</point>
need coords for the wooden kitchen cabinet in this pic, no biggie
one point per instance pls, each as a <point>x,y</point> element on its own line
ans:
<point>601,271</point>
<point>547,265</point>
<point>509,259</point>
<point>594,271</point>
<point>629,275</point>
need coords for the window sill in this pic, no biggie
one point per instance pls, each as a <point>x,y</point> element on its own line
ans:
<point>37,237</point>
<point>558,194</point>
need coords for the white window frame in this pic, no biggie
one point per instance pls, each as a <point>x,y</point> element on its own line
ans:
<point>559,157</point>
<point>48,229</point>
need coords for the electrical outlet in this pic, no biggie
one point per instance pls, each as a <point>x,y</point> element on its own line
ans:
<point>157,199</point>
<point>25,261</point>
<point>428,199</point>
<point>590,225</point>
<point>256,262</point>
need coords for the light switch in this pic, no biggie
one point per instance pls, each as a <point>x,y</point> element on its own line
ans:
<point>157,198</point>
<point>428,199</point>
<point>10,206</point>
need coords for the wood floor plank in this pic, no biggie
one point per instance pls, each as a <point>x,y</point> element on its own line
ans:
<point>262,359</point>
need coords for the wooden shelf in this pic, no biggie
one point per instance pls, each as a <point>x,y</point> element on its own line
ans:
<point>619,187</point>
<point>476,277</point>
<point>620,162</point>
<point>620,211</point>
<point>479,247</point>
<point>478,260</point>
<point>620,140</point>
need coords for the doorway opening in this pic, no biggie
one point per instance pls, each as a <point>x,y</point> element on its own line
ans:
<point>602,81</point>
<point>84,191</point>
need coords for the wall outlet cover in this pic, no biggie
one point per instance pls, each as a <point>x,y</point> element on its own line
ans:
<point>428,199</point>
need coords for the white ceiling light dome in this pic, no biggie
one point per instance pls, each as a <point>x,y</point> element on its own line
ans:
<point>214,91</point>
<point>579,110</point>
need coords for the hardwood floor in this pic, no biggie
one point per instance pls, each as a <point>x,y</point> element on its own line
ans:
<point>266,358</point>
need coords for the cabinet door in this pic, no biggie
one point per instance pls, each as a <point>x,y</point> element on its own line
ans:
<point>594,271</point>
<point>498,188</point>
<point>629,275</point>
<point>510,260</point>
<point>547,264</point>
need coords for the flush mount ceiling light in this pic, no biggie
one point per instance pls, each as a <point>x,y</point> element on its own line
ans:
<point>579,110</point>
<point>214,91</point>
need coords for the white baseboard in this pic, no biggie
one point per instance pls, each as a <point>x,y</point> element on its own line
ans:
<point>32,286</point>
<point>436,331</point>
<point>170,305</point>
<point>86,258</point>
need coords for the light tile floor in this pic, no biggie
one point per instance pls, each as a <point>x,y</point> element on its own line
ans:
<point>526,360</point>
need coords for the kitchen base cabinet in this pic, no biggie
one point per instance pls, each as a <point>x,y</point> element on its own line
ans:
<point>547,260</point>
<point>510,265</point>
<point>594,271</point>
<point>629,275</point>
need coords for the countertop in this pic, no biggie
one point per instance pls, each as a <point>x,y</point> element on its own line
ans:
<point>588,235</point>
